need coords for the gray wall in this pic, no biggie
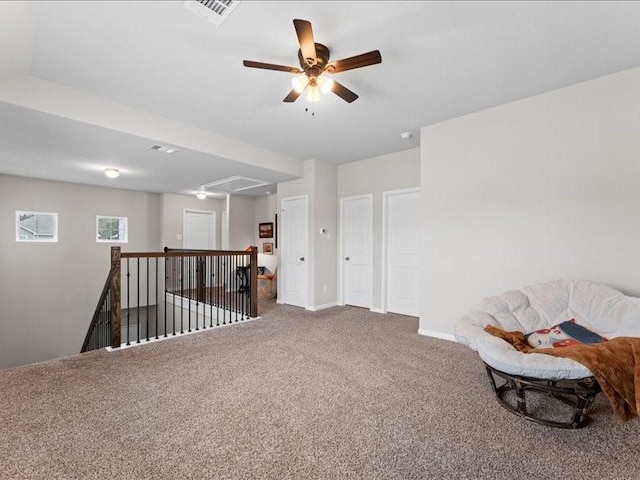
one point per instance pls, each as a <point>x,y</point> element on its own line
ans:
<point>48,291</point>
<point>536,190</point>
<point>173,212</point>
<point>376,175</point>
<point>319,184</point>
<point>242,229</point>
<point>264,211</point>
<point>325,215</point>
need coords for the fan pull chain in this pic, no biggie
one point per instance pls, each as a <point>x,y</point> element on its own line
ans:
<point>313,110</point>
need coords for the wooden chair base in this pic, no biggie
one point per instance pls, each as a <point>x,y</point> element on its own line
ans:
<point>578,394</point>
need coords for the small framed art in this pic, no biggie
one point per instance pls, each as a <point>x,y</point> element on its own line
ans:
<point>265,230</point>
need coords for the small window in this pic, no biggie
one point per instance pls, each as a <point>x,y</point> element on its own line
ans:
<point>111,229</point>
<point>36,226</point>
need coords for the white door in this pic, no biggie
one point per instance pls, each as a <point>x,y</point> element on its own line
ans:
<point>199,230</point>
<point>294,247</point>
<point>401,212</point>
<point>356,231</point>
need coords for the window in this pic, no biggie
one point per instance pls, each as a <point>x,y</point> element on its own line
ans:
<point>36,226</point>
<point>111,229</point>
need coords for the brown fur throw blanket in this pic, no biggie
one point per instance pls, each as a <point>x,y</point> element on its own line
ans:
<point>615,364</point>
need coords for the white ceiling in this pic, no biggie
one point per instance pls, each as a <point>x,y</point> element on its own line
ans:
<point>440,60</point>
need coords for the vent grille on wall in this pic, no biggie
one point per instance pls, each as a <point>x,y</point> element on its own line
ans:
<point>215,11</point>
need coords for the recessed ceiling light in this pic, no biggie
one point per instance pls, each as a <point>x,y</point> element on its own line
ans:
<point>267,192</point>
<point>112,172</point>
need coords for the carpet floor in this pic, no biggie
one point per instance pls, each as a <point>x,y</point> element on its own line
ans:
<point>337,394</point>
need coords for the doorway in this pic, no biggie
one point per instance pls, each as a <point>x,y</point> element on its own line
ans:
<point>401,211</point>
<point>294,248</point>
<point>356,232</point>
<point>199,230</point>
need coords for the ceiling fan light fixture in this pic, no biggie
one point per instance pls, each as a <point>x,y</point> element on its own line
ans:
<point>314,60</point>
<point>325,84</point>
<point>300,82</point>
<point>313,94</point>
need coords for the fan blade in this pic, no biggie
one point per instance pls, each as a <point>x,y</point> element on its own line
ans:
<point>292,97</point>
<point>305,38</point>
<point>270,66</point>
<point>343,92</point>
<point>359,61</point>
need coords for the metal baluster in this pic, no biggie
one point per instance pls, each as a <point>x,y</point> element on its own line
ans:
<point>157,300</point>
<point>241,259</point>
<point>138,302</point>
<point>128,297</point>
<point>243,303</point>
<point>107,321</point>
<point>237,290</point>
<point>225,298</point>
<point>174,284</point>
<point>197,280</point>
<point>218,265</point>
<point>166,281</point>
<point>147,309</point>
<point>211,283</point>
<point>181,293</point>
<point>232,293</point>
<point>190,293</point>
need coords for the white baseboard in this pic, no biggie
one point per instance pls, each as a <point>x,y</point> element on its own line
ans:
<point>377,310</point>
<point>169,336</point>
<point>315,308</point>
<point>431,333</point>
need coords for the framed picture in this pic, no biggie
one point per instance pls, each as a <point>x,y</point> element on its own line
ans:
<point>265,230</point>
<point>267,248</point>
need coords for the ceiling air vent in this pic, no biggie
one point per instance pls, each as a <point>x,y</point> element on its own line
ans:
<point>163,148</point>
<point>216,11</point>
<point>235,184</point>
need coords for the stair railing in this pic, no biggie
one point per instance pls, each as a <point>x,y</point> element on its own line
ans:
<point>156,294</point>
<point>107,313</point>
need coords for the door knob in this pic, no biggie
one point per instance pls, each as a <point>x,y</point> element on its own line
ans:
<point>347,258</point>
<point>302,259</point>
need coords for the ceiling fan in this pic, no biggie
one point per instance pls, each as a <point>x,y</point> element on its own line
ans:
<point>314,62</point>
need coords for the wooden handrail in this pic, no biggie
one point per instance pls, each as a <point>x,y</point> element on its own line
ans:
<point>183,253</point>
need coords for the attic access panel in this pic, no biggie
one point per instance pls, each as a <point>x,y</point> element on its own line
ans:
<point>235,184</point>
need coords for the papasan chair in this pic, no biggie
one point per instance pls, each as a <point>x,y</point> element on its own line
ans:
<point>548,314</point>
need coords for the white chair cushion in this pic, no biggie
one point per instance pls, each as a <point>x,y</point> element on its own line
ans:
<point>597,307</point>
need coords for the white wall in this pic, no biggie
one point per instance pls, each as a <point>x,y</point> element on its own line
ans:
<point>376,175</point>
<point>535,190</point>
<point>49,291</point>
